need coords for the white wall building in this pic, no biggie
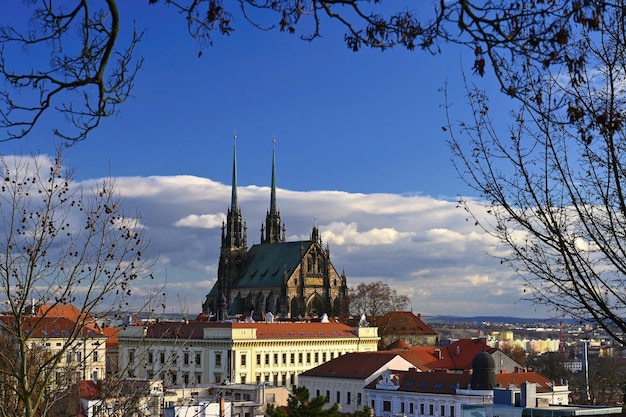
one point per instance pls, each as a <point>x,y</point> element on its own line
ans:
<point>238,352</point>
<point>342,380</point>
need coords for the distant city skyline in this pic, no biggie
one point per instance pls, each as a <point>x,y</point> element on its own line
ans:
<point>360,150</point>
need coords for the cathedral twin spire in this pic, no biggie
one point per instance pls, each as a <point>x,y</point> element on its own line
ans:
<point>274,230</point>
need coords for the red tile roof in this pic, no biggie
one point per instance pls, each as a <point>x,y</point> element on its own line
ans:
<point>456,356</point>
<point>277,330</point>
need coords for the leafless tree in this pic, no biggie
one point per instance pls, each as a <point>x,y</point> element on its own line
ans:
<point>553,180</point>
<point>61,245</point>
<point>376,299</point>
<point>89,74</point>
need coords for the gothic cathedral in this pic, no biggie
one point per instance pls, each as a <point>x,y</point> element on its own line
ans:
<point>288,279</point>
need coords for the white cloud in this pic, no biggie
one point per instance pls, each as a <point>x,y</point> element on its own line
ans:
<point>206,221</point>
<point>341,233</point>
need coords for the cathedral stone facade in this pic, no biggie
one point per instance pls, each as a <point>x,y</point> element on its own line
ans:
<point>287,279</point>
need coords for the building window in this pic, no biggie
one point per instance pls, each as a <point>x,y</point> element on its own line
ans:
<point>431,410</point>
<point>386,405</point>
<point>308,357</point>
<point>358,398</point>
<point>411,408</point>
<point>186,358</point>
<point>317,357</point>
<point>373,403</point>
<point>293,358</point>
<point>174,359</point>
<point>79,356</point>
<point>243,359</point>
<point>162,357</point>
<point>174,378</point>
<point>317,393</point>
<point>348,397</point>
<point>402,407</point>
<point>198,378</point>
<point>68,357</point>
<point>186,378</point>
<point>267,358</point>
<point>218,359</point>
<point>451,411</point>
<point>217,378</point>
<point>276,358</point>
<point>258,359</point>
<point>299,357</point>
<point>150,357</point>
<point>284,358</point>
<point>198,357</point>
<point>327,396</point>
<point>243,379</point>
<point>292,379</point>
<point>338,397</point>
<point>95,356</point>
<point>267,378</point>
<point>422,409</point>
<point>275,380</point>
<point>131,356</point>
<point>258,379</point>
<point>442,410</point>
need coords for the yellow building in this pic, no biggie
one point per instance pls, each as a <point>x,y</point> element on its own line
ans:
<point>271,353</point>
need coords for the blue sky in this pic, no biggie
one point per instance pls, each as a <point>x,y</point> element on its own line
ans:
<point>359,150</point>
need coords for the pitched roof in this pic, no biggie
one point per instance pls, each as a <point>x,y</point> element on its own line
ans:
<point>266,263</point>
<point>456,356</point>
<point>50,327</point>
<point>112,334</point>
<point>344,365</point>
<point>276,330</point>
<point>404,322</point>
<point>68,311</point>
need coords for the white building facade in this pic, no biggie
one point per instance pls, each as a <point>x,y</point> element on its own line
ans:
<point>236,352</point>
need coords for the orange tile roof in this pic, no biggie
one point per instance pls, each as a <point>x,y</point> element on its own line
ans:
<point>111,333</point>
<point>68,311</point>
<point>50,327</point>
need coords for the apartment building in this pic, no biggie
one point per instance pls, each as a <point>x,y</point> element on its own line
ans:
<point>79,350</point>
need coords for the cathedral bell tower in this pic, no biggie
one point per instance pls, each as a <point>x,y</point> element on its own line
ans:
<point>274,229</point>
<point>234,247</point>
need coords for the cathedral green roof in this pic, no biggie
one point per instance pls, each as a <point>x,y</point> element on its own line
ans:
<point>267,262</point>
